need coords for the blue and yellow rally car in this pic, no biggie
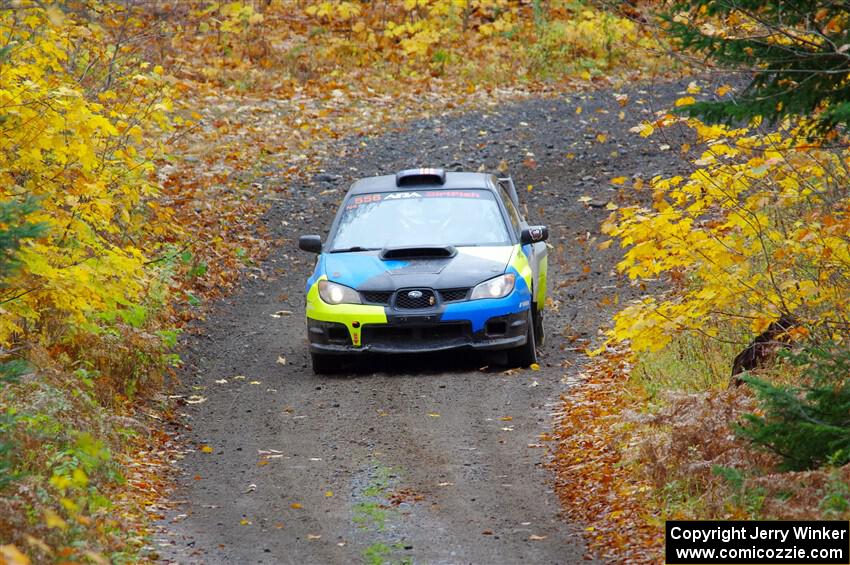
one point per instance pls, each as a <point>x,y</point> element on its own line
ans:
<point>426,260</point>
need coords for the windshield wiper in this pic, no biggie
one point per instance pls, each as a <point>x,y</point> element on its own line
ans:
<point>353,248</point>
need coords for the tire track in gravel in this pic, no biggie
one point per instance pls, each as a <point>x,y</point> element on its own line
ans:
<point>407,460</point>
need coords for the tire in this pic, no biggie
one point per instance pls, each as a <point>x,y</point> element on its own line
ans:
<point>539,331</point>
<point>323,364</point>
<point>526,354</point>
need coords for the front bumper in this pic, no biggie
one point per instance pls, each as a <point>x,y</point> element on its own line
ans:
<point>418,334</point>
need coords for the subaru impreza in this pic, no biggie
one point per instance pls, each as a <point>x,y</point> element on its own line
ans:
<point>427,260</point>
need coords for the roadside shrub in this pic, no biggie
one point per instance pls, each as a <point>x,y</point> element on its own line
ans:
<point>83,117</point>
<point>590,41</point>
<point>808,425</point>
<point>757,231</point>
<point>80,148</point>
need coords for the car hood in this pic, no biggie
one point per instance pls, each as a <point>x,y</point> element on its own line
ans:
<point>366,270</point>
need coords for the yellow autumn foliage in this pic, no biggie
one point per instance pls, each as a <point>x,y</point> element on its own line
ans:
<point>75,137</point>
<point>558,38</point>
<point>759,229</point>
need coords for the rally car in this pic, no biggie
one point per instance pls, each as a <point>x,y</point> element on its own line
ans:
<point>427,260</point>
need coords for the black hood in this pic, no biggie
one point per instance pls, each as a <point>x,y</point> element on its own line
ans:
<point>463,267</point>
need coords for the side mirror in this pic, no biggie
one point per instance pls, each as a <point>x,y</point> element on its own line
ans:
<point>533,234</point>
<point>311,243</point>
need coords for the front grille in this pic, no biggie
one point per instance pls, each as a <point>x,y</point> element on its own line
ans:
<point>376,296</point>
<point>404,300</point>
<point>453,294</point>
<point>415,335</point>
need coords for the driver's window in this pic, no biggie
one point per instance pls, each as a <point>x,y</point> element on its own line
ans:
<point>512,212</point>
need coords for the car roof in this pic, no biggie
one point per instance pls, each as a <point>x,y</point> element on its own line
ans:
<point>454,181</point>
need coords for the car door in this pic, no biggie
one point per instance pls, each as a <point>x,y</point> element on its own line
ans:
<point>535,252</point>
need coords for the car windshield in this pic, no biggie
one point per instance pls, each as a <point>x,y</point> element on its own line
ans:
<point>422,218</point>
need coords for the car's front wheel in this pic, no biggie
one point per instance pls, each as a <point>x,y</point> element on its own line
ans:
<point>526,354</point>
<point>323,364</point>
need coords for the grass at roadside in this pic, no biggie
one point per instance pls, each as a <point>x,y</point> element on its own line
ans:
<point>692,363</point>
<point>372,513</point>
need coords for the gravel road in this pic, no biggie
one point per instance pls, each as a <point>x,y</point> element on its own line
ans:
<point>406,460</point>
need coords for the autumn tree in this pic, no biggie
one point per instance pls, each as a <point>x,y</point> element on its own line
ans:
<point>758,230</point>
<point>796,53</point>
<point>75,139</point>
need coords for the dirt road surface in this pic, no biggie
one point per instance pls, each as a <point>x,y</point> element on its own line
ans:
<point>406,460</point>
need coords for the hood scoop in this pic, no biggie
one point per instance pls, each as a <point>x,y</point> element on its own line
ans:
<point>395,253</point>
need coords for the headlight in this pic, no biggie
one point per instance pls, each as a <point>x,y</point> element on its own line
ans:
<point>494,288</point>
<point>333,293</point>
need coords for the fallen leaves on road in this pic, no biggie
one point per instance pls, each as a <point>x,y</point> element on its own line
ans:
<point>405,495</point>
<point>592,483</point>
